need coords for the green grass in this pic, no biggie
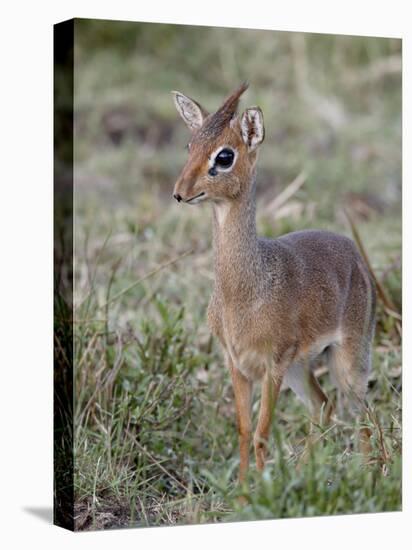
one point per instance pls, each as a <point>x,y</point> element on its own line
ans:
<point>155,433</point>
<point>156,440</point>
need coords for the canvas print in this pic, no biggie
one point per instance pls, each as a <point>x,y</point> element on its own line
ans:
<point>228,300</point>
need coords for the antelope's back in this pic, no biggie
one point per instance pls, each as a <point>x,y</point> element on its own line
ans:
<point>320,275</point>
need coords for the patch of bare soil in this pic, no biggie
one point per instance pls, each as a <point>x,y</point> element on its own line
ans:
<point>109,515</point>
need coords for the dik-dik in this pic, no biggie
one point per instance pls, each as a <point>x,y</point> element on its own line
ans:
<point>277,304</point>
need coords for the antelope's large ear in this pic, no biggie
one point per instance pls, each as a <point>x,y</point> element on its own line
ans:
<point>191,112</point>
<point>253,130</point>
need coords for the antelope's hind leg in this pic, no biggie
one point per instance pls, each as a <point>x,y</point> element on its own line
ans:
<point>301,380</point>
<point>350,364</point>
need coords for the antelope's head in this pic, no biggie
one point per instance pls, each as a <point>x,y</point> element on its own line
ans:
<point>222,149</point>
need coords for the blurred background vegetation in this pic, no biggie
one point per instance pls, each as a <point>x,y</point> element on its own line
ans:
<point>155,437</point>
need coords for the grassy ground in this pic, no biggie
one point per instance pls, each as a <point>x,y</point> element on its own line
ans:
<point>155,434</point>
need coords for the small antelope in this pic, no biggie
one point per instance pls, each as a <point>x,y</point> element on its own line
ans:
<point>278,303</point>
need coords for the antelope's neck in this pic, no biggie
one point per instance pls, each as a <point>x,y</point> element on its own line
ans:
<point>237,260</point>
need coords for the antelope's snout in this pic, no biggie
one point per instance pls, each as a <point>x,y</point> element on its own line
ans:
<point>190,199</point>
<point>186,190</point>
<point>183,191</point>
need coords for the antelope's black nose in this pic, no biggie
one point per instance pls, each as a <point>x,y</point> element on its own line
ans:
<point>177,197</point>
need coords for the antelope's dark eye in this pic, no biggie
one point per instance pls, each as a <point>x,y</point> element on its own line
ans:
<point>225,158</point>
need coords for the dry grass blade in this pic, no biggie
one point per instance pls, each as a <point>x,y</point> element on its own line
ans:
<point>86,352</point>
<point>383,295</point>
<point>287,193</point>
<point>150,274</point>
<point>384,456</point>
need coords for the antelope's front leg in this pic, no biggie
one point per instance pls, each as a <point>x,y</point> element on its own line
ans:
<point>242,388</point>
<point>270,391</point>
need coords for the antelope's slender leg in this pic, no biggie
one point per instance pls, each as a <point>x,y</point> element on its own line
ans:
<point>270,391</point>
<point>351,363</point>
<point>242,388</point>
<point>322,407</point>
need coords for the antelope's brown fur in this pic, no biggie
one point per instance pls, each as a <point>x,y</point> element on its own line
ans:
<point>277,304</point>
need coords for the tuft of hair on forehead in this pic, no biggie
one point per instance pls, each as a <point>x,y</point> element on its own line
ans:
<point>215,123</point>
<point>229,107</point>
